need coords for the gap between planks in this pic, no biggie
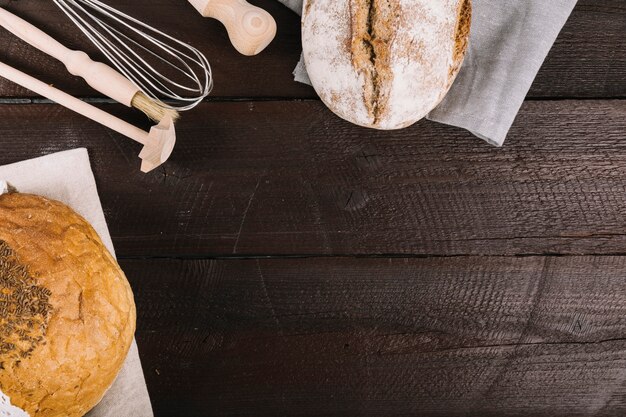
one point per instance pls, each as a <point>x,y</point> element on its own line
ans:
<point>192,257</point>
<point>102,100</point>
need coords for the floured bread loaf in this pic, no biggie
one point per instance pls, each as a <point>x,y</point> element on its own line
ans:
<point>67,311</point>
<point>384,64</point>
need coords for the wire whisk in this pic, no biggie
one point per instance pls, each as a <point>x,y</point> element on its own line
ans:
<point>133,47</point>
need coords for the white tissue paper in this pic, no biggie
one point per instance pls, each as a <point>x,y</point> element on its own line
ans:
<point>6,408</point>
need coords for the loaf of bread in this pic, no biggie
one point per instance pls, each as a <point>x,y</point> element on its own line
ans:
<point>384,64</point>
<point>68,315</point>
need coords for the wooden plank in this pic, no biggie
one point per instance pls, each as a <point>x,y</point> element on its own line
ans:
<point>566,71</point>
<point>276,178</point>
<point>588,60</point>
<point>466,336</point>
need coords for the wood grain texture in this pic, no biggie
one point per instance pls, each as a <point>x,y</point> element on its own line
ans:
<point>566,73</point>
<point>588,59</point>
<point>437,333</point>
<point>284,178</point>
<point>466,336</point>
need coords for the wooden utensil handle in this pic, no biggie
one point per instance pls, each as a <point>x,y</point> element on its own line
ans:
<point>99,76</point>
<point>72,103</point>
<point>250,28</point>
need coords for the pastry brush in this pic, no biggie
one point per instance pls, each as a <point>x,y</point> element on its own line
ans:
<point>158,143</point>
<point>99,76</point>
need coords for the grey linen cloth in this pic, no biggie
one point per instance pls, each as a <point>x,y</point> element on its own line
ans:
<point>67,177</point>
<point>509,41</point>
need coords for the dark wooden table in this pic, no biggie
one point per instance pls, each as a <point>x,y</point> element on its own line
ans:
<point>287,263</point>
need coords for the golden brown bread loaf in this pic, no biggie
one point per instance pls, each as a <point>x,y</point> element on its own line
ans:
<point>384,64</point>
<point>68,315</point>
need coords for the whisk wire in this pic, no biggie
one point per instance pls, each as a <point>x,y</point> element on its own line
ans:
<point>135,61</point>
<point>110,31</point>
<point>151,73</point>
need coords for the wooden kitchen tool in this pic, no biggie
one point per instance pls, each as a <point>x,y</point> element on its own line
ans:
<point>158,143</point>
<point>99,76</point>
<point>250,28</point>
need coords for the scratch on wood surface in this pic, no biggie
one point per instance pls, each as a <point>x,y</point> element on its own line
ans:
<point>541,285</point>
<point>315,207</point>
<point>345,206</point>
<point>245,214</point>
<point>269,300</point>
<point>514,347</point>
<point>117,145</point>
<point>199,196</point>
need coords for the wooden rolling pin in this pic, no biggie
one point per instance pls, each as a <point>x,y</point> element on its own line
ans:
<point>250,28</point>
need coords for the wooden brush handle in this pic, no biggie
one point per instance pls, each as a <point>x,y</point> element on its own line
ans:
<point>72,103</point>
<point>158,143</point>
<point>99,76</point>
<point>250,28</point>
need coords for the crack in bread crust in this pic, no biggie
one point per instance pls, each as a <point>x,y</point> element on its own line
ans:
<point>373,32</point>
<point>363,51</point>
<point>461,36</point>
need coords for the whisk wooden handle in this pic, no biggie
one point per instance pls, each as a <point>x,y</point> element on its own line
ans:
<point>99,76</point>
<point>250,28</point>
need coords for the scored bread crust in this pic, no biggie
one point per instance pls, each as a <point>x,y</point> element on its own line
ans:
<point>461,37</point>
<point>384,64</point>
<point>80,340</point>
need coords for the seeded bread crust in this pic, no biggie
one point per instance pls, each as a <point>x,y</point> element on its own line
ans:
<point>57,275</point>
<point>384,64</point>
